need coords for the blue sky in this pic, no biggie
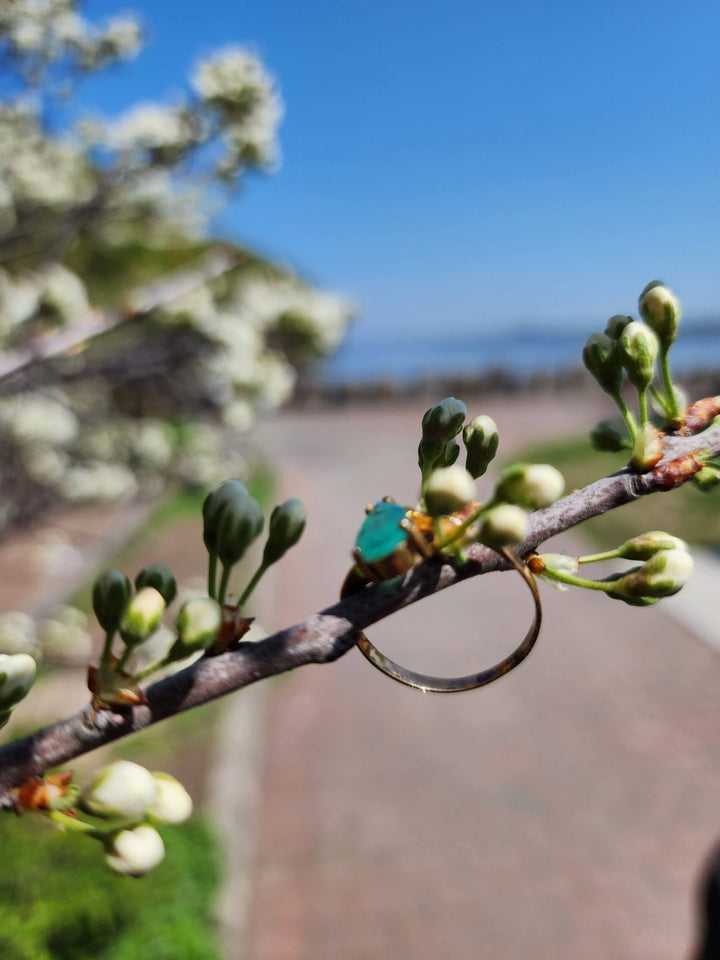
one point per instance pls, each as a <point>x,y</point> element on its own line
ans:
<point>472,165</point>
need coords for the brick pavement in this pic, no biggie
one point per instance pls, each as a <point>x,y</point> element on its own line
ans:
<point>563,812</point>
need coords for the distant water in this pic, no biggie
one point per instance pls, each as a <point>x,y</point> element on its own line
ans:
<point>361,360</point>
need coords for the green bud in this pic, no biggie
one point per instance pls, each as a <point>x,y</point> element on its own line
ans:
<point>639,348</point>
<point>447,490</point>
<point>531,485</point>
<point>241,523</point>
<point>707,478</point>
<point>647,449</point>
<point>110,596</point>
<point>214,505</point>
<point>662,575</point>
<point>143,615</point>
<point>198,624</point>
<point>616,325</point>
<point>160,576</point>
<point>17,675</point>
<point>605,438</point>
<point>440,425</point>
<point>660,309</point>
<point>646,545</point>
<point>601,359</point>
<point>286,526</point>
<point>503,525</point>
<point>481,440</point>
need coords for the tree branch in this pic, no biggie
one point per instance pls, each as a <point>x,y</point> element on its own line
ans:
<point>327,635</point>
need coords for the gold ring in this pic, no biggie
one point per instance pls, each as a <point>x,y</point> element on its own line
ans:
<point>430,684</point>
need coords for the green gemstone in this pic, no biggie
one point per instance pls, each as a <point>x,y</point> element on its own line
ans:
<point>381,533</point>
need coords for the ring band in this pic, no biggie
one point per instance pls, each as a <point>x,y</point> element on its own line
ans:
<point>430,684</point>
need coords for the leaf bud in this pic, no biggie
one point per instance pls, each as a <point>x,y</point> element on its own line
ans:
<point>662,575</point>
<point>647,449</point>
<point>601,359</point>
<point>160,576</point>
<point>616,325</point>
<point>286,526</point>
<point>17,675</point>
<point>607,439</point>
<point>639,348</point>
<point>660,309</point>
<point>707,478</point>
<point>531,485</point>
<point>481,440</point>
<point>143,615</point>
<point>447,490</point>
<point>646,545</point>
<point>121,789</point>
<point>198,625</point>
<point>111,593</point>
<point>503,525</point>
<point>172,803</point>
<point>135,852</point>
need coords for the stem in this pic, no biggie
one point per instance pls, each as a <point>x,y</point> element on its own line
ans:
<point>73,823</point>
<point>671,406</point>
<point>120,665</point>
<point>462,529</point>
<point>627,416</point>
<point>572,581</point>
<point>224,580</point>
<point>597,557</point>
<point>253,583</point>
<point>212,575</point>
<point>105,657</point>
<point>643,406</point>
<point>659,399</point>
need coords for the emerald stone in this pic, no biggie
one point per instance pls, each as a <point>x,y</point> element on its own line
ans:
<point>381,534</point>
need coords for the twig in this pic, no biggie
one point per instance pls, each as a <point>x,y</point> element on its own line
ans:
<point>327,635</point>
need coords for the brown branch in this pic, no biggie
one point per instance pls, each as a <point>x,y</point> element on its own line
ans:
<point>327,635</point>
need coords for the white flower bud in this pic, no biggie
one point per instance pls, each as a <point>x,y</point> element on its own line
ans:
<point>198,624</point>
<point>531,485</point>
<point>663,575</point>
<point>135,852</point>
<point>172,804</point>
<point>447,490</point>
<point>122,789</point>
<point>17,675</point>
<point>639,348</point>
<point>660,309</point>
<point>142,616</point>
<point>504,524</point>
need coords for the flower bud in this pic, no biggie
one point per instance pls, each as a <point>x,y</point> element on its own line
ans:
<point>605,438</point>
<point>616,325</point>
<point>143,615</point>
<point>531,485</point>
<point>122,789</point>
<point>17,675</point>
<point>481,440</point>
<point>662,575</point>
<point>439,425</point>
<point>111,594</point>
<point>647,449</point>
<point>198,624</point>
<point>660,309</point>
<point>646,545</point>
<point>285,528</point>
<point>447,490</point>
<point>601,359</point>
<point>544,565</point>
<point>504,524</point>
<point>135,852</point>
<point>232,520</point>
<point>639,348</point>
<point>172,803</point>
<point>160,576</point>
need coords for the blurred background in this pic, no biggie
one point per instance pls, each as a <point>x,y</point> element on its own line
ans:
<point>259,242</point>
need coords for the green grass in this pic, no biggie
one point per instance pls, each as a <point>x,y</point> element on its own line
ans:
<point>59,901</point>
<point>686,512</point>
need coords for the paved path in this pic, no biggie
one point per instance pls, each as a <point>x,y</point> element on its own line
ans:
<point>562,813</point>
